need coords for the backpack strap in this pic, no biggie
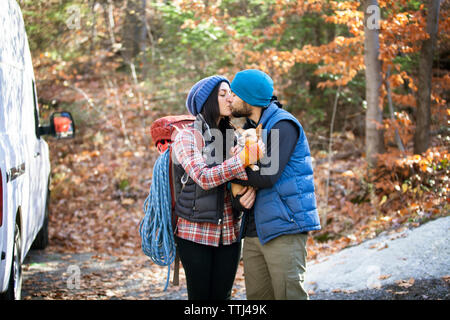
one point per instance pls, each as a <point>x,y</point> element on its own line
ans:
<point>176,269</point>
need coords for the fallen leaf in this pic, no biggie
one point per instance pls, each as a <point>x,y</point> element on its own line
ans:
<point>110,293</point>
<point>127,201</point>
<point>401,292</point>
<point>405,283</point>
<point>336,290</point>
<point>379,246</point>
<point>348,173</point>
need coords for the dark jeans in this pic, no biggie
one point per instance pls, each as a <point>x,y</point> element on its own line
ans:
<point>210,271</point>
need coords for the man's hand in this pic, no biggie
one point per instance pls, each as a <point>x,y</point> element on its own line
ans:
<point>248,197</point>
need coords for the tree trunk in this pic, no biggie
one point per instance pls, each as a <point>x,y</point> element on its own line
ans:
<point>93,28</point>
<point>374,114</point>
<point>398,139</point>
<point>423,111</point>
<point>143,36</point>
<point>134,30</point>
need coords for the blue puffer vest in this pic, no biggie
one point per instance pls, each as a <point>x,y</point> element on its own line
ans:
<point>289,206</point>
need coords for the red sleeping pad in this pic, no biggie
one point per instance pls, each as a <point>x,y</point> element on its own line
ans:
<point>164,130</point>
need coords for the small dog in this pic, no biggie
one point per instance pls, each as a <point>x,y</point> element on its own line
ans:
<point>244,136</point>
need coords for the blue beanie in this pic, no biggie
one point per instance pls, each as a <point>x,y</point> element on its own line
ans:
<point>200,92</point>
<point>253,86</point>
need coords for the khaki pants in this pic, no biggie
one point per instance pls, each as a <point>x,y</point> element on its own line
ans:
<point>276,270</point>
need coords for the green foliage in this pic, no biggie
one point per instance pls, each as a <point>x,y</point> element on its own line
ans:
<point>52,27</point>
<point>408,63</point>
<point>186,48</point>
<point>182,46</point>
<point>43,23</point>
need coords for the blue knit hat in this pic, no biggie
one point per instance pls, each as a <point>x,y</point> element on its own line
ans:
<point>253,86</point>
<point>200,92</point>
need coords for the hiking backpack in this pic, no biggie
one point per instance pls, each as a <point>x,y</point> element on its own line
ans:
<point>157,227</point>
<point>163,132</point>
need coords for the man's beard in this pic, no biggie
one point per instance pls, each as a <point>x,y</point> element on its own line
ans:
<point>245,111</point>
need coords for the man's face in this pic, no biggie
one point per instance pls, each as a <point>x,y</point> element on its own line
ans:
<point>240,108</point>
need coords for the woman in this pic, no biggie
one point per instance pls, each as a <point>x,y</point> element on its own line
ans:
<point>207,230</point>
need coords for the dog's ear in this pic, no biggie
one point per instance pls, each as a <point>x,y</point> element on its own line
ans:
<point>259,131</point>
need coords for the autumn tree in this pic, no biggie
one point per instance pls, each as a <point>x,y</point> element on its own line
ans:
<point>134,29</point>
<point>423,112</point>
<point>394,46</point>
<point>374,114</point>
<point>309,47</point>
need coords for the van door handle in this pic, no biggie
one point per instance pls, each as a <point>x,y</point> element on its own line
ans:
<point>15,172</point>
<point>37,154</point>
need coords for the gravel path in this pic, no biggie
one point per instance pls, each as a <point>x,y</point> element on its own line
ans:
<point>413,264</point>
<point>100,277</point>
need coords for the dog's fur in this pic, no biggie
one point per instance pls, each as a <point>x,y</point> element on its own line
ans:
<point>253,135</point>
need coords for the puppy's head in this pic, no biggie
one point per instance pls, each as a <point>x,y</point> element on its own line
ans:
<point>249,134</point>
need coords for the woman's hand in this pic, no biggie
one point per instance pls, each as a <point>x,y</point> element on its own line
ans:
<point>248,197</point>
<point>234,150</point>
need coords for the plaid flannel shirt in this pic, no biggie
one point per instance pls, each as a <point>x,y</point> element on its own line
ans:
<point>187,148</point>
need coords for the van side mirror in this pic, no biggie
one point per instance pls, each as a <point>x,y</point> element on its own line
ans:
<point>61,126</point>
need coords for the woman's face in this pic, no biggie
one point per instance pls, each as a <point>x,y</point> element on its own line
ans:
<point>225,99</point>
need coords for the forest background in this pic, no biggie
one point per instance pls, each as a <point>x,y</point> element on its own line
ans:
<point>372,98</point>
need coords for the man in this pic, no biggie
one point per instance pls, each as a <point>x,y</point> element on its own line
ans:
<point>276,229</point>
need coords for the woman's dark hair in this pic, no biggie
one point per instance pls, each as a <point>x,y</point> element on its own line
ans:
<point>211,111</point>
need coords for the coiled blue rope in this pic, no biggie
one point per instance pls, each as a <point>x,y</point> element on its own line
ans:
<point>155,229</point>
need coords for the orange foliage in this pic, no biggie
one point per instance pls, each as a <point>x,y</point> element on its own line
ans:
<point>402,123</point>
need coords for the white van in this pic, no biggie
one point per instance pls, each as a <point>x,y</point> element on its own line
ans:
<point>24,154</point>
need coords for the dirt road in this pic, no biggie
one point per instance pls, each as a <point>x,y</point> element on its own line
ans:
<point>98,277</point>
<point>401,261</point>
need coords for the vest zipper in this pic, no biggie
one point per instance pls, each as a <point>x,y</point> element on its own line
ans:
<point>184,180</point>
